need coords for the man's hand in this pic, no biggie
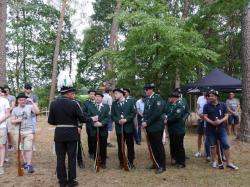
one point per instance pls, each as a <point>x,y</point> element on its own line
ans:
<point>79,130</point>
<point>122,121</point>
<point>98,124</point>
<point>94,118</point>
<point>144,125</point>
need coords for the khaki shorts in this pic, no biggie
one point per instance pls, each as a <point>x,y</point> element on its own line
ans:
<point>3,136</point>
<point>26,139</point>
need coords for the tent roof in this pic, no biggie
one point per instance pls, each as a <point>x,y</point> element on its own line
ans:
<point>216,79</point>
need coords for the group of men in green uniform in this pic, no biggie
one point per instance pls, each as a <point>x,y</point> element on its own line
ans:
<point>156,116</point>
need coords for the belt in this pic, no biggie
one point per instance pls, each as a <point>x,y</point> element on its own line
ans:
<point>66,126</point>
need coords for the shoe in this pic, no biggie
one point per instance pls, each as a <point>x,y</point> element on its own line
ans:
<point>110,145</point>
<point>198,154</point>
<point>91,156</point>
<point>180,166</point>
<point>151,167</point>
<point>208,158</point>
<point>214,164</point>
<point>10,148</point>
<point>30,169</point>
<point>24,165</point>
<point>73,183</point>
<point>138,143</point>
<point>132,166</point>
<point>1,170</point>
<point>33,148</point>
<point>232,166</point>
<point>81,165</point>
<point>6,159</point>
<point>160,170</point>
<point>221,166</point>
<point>103,166</point>
<point>120,166</point>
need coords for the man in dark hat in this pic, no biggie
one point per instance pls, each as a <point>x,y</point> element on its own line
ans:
<point>152,121</point>
<point>65,114</point>
<point>216,115</point>
<point>102,111</point>
<point>88,105</point>
<point>175,112</point>
<point>123,113</point>
<point>22,115</point>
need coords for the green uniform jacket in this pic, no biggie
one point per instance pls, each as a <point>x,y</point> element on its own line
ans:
<point>175,114</point>
<point>103,117</point>
<point>128,111</point>
<point>88,105</point>
<point>153,111</point>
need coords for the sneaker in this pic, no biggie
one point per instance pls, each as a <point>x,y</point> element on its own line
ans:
<point>198,154</point>
<point>10,148</point>
<point>232,166</point>
<point>208,158</point>
<point>110,145</point>
<point>1,170</point>
<point>24,165</point>
<point>221,166</point>
<point>30,168</point>
<point>214,164</point>
<point>6,159</point>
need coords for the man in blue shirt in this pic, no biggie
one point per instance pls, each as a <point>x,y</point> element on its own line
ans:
<point>216,115</point>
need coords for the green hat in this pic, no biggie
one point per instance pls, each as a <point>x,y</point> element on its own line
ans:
<point>21,95</point>
<point>175,94</point>
<point>121,90</point>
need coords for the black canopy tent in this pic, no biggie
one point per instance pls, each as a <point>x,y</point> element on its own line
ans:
<point>217,80</point>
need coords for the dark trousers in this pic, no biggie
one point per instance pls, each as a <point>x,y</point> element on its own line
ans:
<point>103,147</point>
<point>79,151</point>
<point>177,150</point>
<point>137,132</point>
<point>155,140</point>
<point>129,140</point>
<point>63,148</point>
<point>90,144</point>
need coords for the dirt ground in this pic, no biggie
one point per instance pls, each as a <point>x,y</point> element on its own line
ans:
<point>197,173</point>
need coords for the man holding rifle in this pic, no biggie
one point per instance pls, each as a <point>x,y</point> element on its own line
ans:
<point>216,115</point>
<point>123,113</point>
<point>102,111</point>
<point>153,123</point>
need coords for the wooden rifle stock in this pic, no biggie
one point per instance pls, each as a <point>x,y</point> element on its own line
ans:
<point>20,171</point>
<point>97,154</point>
<point>151,154</point>
<point>218,150</point>
<point>124,157</point>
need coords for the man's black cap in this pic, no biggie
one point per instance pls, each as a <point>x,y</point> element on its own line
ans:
<point>149,86</point>
<point>28,86</point>
<point>92,90</point>
<point>175,94</point>
<point>214,92</point>
<point>99,93</point>
<point>121,90</point>
<point>126,89</point>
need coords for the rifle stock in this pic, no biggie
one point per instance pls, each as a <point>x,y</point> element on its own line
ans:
<point>124,157</point>
<point>20,171</point>
<point>97,156</point>
<point>151,154</point>
<point>218,150</point>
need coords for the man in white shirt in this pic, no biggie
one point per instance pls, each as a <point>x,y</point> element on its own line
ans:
<point>202,100</point>
<point>4,114</point>
<point>139,111</point>
<point>107,99</point>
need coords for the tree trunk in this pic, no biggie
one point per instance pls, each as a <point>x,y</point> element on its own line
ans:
<point>3,17</point>
<point>245,122</point>
<point>56,52</point>
<point>113,39</point>
<point>185,10</point>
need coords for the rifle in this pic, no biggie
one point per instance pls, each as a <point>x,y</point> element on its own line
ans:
<point>20,171</point>
<point>97,155</point>
<point>151,154</point>
<point>124,157</point>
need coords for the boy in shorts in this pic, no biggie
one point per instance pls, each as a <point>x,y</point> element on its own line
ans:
<point>22,115</point>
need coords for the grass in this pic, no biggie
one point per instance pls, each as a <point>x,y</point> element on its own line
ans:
<point>197,173</point>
